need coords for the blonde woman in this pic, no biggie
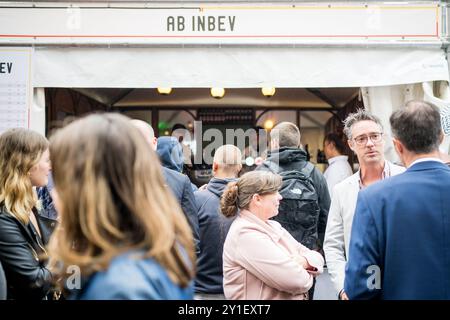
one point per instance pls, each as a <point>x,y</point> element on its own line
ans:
<point>261,260</point>
<point>24,164</point>
<point>119,224</point>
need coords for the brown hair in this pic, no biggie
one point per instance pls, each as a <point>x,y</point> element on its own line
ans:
<point>238,194</point>
<point>417,126</point>
<point>21,149</point>
<point>336,141</point>
<point>287,134</point>
<point>113,199</point>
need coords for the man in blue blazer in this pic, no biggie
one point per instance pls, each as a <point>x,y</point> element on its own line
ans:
<point>400,240</point>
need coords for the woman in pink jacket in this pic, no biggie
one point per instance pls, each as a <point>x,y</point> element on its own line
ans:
<point>261,260</point>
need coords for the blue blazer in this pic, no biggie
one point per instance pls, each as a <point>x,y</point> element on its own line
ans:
<point>400,240</point>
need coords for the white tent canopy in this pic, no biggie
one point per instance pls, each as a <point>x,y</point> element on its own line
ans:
<point>120,67</point>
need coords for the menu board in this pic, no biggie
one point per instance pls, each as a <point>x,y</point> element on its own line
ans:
<point>15,87</point>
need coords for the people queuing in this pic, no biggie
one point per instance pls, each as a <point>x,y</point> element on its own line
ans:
<point>136,230</point>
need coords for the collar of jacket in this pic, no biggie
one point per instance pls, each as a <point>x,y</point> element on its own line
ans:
<point>286,155</point>
<point>427,165</point>
<point>46,226</point>
<point>272,228</point>
<point>217,186</point>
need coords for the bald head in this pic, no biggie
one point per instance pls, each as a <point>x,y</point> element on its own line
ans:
<point>146,130</point>
<point>227,161</point>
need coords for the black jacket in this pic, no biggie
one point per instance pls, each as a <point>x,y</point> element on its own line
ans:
<point>182,190</point>
<point>2,283</point>
<point>213,231</point>
<point>21,250</point>
<point>295,159</point>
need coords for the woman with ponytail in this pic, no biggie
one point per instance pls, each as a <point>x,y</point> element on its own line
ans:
<point>261,260</point>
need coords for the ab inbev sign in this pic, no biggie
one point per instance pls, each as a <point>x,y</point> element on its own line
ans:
<point>258,23</point>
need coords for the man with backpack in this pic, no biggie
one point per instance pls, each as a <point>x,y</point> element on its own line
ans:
<point>304,208</point>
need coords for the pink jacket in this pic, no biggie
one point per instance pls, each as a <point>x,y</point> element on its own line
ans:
<point>260,262</point>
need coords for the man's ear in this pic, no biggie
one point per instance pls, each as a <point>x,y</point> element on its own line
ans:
<point>399,148</point>
<point>155,143</point>
<point>215,166</point>
<point>351,145</point>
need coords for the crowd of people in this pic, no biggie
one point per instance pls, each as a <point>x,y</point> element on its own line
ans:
<point>102,210</point>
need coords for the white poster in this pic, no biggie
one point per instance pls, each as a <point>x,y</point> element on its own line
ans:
<point>15,87</point>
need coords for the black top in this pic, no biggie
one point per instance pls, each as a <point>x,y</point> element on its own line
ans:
<point>213,230</point>
<point>295,159</point>
<point>22,256</point>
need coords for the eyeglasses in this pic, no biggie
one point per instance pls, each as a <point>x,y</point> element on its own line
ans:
<point>374,137</point>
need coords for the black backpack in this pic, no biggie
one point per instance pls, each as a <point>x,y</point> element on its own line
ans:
<point>299,209</point>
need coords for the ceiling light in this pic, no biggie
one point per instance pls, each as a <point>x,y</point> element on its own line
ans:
<point>268,91</point>
<point>164,91</point>
<point>268,124</point>
<point>217,93</point>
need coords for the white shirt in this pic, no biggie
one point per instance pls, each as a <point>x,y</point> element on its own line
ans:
<point>337,171</point>
<point>339,223</point>
<point>425,159</point>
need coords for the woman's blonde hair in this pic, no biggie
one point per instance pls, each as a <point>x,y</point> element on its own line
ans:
<point>238,194</point>
<point>113,199</point>
<point>21,149</point>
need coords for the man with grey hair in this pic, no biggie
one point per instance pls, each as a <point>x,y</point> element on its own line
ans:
<point>213,225</point>
<point>179,184</point>
<point>365,137</point>
<point>401,232</point>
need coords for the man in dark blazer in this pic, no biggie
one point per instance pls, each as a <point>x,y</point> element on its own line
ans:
<point>177,182</point>
<point>400,240</point>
